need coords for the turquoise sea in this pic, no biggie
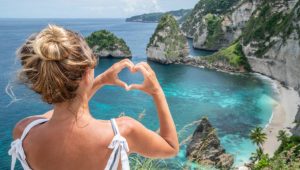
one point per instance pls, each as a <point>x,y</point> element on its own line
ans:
<point>233,103</point>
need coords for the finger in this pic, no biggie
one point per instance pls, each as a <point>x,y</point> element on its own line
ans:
<point>142,69</point>
<point>135,86</point>
<point>124,64</point>
<point>126,60</point>
<point>147,66</point>
<point>119,82</point>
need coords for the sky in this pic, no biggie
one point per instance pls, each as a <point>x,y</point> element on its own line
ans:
<point>87,8</point>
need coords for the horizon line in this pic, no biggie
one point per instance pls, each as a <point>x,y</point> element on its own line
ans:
<point>59,18</point>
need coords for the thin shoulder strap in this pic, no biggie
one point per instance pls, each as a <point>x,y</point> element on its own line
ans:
<point>16,150</point>
<point>120,149</point>
<point>115,126</point>
<point>31,125</point>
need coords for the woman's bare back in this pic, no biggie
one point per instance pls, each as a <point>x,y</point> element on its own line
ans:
<point>68,145</point>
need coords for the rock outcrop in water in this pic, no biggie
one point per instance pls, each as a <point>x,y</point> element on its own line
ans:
<point>205,148</point>
<point>214,24</point>
<point>168,44</point>
<point>106,44</point>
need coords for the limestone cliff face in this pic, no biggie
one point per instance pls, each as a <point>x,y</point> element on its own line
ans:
<point>205,148</point>
<point>271,41</point>
<point>215,24</point>
<point>168,44</point>
<point>106,44</point>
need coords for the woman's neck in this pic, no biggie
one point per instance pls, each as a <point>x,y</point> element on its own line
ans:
<point>76,110</point>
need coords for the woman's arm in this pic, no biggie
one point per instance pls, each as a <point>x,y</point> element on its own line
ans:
<point>143,140</point>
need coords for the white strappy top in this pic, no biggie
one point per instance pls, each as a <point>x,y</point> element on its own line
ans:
<point>118,144</point>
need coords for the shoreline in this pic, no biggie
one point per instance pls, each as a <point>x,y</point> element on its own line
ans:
<point>283,114</point>
<point>284,108</point>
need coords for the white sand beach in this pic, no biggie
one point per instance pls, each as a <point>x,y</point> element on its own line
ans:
<point>283,117</point>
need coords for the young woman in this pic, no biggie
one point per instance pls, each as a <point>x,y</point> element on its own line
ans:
<point>58,65</point>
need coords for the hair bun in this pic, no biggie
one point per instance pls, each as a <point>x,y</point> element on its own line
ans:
<point>52,44</point>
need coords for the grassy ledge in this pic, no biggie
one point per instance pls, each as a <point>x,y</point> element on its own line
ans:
<point>233,56</point>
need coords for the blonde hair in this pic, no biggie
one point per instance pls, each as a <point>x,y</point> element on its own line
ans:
<point>54,61</point>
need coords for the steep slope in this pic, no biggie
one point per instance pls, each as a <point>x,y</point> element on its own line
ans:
<point>271,41</point>
<point>168,44</point>
<point>214,24</point>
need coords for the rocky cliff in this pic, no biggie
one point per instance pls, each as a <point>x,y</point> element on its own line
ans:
<point>168,44</point>
<point>106,44</point>
<point>205,147</point>
<point>214,24</point>
<point>230,59</point>
<point>269,32</point>
<point>271,41</point>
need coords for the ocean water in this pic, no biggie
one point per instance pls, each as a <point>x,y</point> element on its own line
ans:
<point>233,103</point>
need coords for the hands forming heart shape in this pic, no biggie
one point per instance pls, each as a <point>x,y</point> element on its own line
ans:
<point>150,84</point>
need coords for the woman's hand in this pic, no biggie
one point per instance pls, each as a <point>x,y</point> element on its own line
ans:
<point>110,76</point>
<point>150,85</point>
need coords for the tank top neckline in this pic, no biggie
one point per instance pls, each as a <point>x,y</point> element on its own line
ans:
<point>118,145</point>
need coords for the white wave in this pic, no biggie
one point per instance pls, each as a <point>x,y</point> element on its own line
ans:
<point>268,79</point>
<point>9,91</point>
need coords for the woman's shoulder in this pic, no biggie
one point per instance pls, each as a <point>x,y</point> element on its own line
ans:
<point>126,125</point>
<point>22,124</point>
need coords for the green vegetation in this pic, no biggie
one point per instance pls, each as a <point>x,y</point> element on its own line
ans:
<point>256,155</point>
<point>267,23</point>
<point>151,17</point>
<point>287,156</point>
<point>216,6</point>
<point>233,55</point>
<point>258,137</point>
<point>174,40</point>
<point>214,29</point>
<point>282,136</point>
<point>140,163</point>
<point>204,7</point>
<point>155,17</point>
<point>106,40</point>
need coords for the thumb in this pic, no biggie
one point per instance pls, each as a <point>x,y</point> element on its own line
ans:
<point>135,86</point>
<point>121,83</point>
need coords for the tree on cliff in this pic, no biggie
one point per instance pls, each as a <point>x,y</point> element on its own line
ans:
<point>105,44</point>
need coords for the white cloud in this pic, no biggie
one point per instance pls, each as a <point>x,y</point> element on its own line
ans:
<point>140,6</point>
<point>88,8</point>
